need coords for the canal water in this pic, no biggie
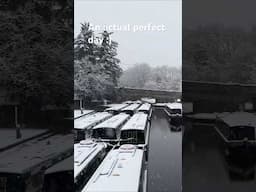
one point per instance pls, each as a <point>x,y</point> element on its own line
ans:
<point>165,155</point>
<point>207,167</point>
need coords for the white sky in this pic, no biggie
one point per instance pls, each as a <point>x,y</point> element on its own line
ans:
<point>154,48</point>
<point>241,13</point>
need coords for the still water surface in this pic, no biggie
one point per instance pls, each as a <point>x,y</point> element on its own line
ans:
<point>165,156</point>
<point>206,166</point>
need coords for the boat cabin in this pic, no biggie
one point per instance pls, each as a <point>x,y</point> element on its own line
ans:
<point>146,108</point>
<point>22,167</point>
<point>87,157</point>
<point>174,113</point>
<point>109,130</point>
<point>123,169</point>
<point>238,128</point>
<point>131,109</point>
<point>83,125</point>
<point>136,130</point>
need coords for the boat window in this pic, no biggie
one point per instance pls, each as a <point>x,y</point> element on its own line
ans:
<point>144,111</point>
<point>80,135</point>
<point>242,132</point>
<point>104,133</point>
<point>175,111</point>
<point>129,112</point>
<point>137,135</point>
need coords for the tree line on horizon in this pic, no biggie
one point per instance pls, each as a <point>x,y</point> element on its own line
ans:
<point>219,54</point>
<point>144,76</point>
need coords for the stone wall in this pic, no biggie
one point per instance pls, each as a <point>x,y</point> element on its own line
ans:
<point>125,94</point>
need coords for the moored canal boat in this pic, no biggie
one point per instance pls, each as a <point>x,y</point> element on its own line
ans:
<point>123,169</point>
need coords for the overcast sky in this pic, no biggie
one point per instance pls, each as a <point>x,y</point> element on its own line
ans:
<point>226,12</point>
<point>153,47</point>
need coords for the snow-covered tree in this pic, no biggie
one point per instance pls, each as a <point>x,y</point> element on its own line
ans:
<point>35,55</point>
<point>97,68</point>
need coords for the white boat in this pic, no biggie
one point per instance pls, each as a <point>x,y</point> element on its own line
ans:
<point>131,109</point>
<point>237,129</point>
<point>174,109</point>
<point>83,125</point>
<point>109,130</point>
<point>116,108</point>
<point>123,170</point>
<point>174,113</point>
<point>136,131</point>
<point>87,157</point>
<point>146,108</point>
<point>21,167</point>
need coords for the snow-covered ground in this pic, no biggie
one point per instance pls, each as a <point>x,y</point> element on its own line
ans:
<point>8,136</point>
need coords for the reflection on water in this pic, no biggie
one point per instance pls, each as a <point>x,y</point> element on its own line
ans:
<point>209,166</point>
<point>239,167</point>
<point>165,155</point>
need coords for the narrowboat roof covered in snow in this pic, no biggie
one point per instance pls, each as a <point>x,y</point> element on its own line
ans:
<point>29,155</point>
<point>144,107</point>
<point>131,107</point>
<point>239,119</point>
<point>120,171</point>
<point>84,153</point>
<point>174,105</point>
<point>91,120</point>
<point>137,122</point>
<point>113,122</point>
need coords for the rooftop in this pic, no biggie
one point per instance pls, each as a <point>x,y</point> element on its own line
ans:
<point>90,120</point>
<point>113,122</point>
<point>131,107</point>
<point>34,152</point>
<point>85,152</point>
<point>137,122</point>
<point>120,171</point>
<point>239,119</point>
<point>145,107</point>
<point>174,105</point>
